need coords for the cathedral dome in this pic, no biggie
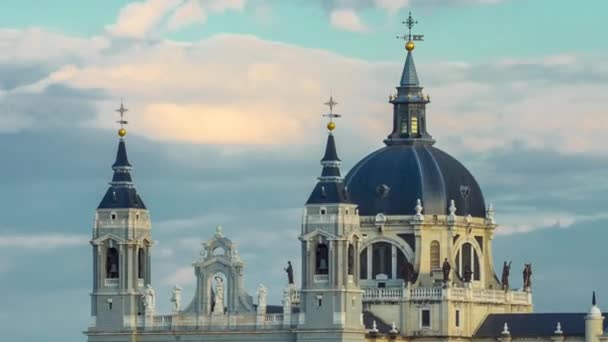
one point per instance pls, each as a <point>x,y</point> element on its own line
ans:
<point>391,179</point>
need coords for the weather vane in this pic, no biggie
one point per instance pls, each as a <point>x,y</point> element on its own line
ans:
<point>331,104</point>
<point>122,131</point>
<point>409,37</point>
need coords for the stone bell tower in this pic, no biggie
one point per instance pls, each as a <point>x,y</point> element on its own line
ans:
<point>331,300</point>
<point>121,249</point>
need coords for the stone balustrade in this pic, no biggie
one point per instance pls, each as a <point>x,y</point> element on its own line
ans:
<point>426,293</point>
<point>395,294</point>
<point>212,322</point>
<point>388,294</point>
<point>274,319</point>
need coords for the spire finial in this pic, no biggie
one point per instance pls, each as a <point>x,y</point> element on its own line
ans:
<point>409,37</point>
<point>122,131</point>
<point>593,301</point>
<point>331,115</point>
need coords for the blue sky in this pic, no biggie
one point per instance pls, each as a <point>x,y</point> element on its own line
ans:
<point>225,100</point>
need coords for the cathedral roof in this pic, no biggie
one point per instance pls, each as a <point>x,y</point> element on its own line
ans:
<point>533,324</point>
<point>390,181</point>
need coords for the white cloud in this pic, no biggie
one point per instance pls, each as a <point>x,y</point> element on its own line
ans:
<point>347,19</point>
<point>537,220</point>
<point>391,5</point>
<point>138,19</point>
<point>206,92</point>
<point>141,19</point>
<point>188,13</point>
<point>42,241</point>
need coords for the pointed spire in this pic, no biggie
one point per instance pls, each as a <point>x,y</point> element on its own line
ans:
<point>330,188</point>
<point>409,77</point>
<point>122,193</point>
<point>593,301</point>
<point>121,155</point>
<point>330,150</point>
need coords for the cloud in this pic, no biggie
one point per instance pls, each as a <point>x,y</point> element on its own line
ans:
<point>347,19</point>
<point>212,95</point>
<point>42,241</point>
<point>188,13</point>
<point>142,19</point>
<point>138,19</point>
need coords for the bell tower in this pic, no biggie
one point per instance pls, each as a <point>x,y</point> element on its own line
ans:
<point>331,299</point>
<point>121,244</point>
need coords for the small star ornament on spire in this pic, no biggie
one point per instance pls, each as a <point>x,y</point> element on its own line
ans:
<point>122,131</point>
<point>409,37</point>
<point>331,104</point>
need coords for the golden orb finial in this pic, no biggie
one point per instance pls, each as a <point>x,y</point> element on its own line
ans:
<point>409,46</point>
<point>122,132</point>
<point>331,126</point>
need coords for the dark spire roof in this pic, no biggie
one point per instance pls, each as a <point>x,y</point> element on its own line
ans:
<point>409,77</point>
<point>121,156</point>
<point>330,188</point>
<point>122,192</point>
<point>330,150</point>
<point>593,301</point>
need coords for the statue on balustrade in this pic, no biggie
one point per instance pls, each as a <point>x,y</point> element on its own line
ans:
<point>289,271</point>
<point>446,268</point>
<point>176,298</point>
<point>527,273</point>
<point>149,298</point>
<point>407,272</point>
<point>262,294</point>
<point>506,269</point>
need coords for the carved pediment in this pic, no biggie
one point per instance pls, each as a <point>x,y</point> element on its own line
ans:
<point>100,240</point>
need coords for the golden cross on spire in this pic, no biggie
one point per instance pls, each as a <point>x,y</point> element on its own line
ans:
<point>122,131</point>
<point>331,104</point>
<point>409,37</point>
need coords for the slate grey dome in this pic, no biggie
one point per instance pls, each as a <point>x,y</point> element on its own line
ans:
<point>391,179</point>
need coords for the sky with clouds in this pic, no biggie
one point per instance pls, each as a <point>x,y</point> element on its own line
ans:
<point>225,100</point>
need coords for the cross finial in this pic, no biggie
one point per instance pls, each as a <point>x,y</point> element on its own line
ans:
<point>331,115</point>
<point>122,131</point>
<point>409,37</point>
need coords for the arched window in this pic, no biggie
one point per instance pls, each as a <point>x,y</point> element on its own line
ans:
<point>351,258</point>
<point>414,125</point>
<point>467,259</point>
<point>382,260</point>
<point>322,259</point>
<point>363,264</point>
<point>112,263</point>
<point>141,258</point>
<point>385,259</point>
<point>435,255</point>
